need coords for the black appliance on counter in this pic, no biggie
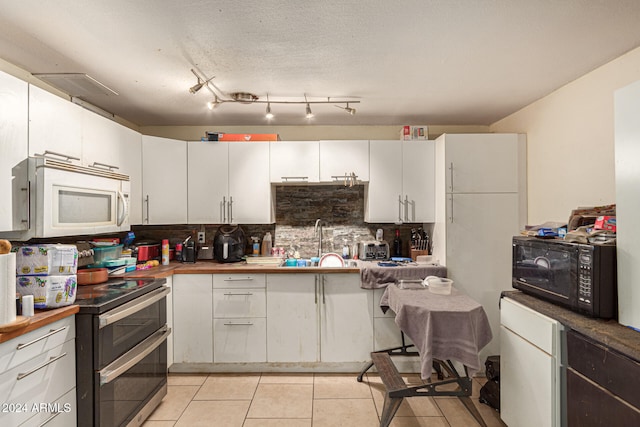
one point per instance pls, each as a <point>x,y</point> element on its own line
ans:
<point>581,277</point>
<point>121,351</point>
<point>229,244</point>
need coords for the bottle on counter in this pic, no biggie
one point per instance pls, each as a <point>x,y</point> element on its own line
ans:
<point>345,249</point>
<point>267,244</point>
<point>165,252</point>
<point>256,246</point>
<point>397,245</point>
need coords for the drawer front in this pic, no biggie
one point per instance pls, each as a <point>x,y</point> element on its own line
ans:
<point>43,379</point>
<point>239,280</point>
<point>611,370</point>
<point>61,413</point>
<point>238,302</point>
<point>25,347</point>
<point>240,340</point>
<point>534,327</point>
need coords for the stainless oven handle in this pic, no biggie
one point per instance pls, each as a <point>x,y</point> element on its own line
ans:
<point>132,357</point>
<point>134,306</point>
<point>37,368</point>
<point>48,420</point>
<point>47,335</point>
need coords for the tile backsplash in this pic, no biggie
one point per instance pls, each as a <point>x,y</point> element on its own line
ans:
<point>297,207</point>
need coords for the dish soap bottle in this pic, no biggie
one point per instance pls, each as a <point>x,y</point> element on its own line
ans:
<point>345,249</point>
<point>266,244</point>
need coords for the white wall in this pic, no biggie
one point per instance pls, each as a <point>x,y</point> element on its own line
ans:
<point>570,141</point>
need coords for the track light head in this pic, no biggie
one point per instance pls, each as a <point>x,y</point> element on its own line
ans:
<point>269,114</point>
<point>195,88</point>
<point>213,104</point>
<point>309,114</point>
<point>348,109</point>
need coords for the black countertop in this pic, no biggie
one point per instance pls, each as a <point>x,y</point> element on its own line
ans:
<point>609,332</point>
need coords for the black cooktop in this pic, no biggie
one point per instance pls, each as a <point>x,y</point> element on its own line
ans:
<point>106,296</point>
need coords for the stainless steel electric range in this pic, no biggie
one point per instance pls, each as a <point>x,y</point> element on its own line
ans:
<point>121,351</point>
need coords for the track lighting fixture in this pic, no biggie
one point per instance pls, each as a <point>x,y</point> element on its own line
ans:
<point>221,97</point>
<point>201,82</point>
<point>348,109</point>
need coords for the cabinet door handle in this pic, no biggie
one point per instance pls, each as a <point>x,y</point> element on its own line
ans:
<point>238,324</point>
<point>230,210</point>
<point>406,208</point>
<point>324,300</point>
<point>451,177</point>
<point>315,290</point>
<point>44,365</point>
<point>244,294</point>
<point>451,211</point>
<point>223,206</point>
<point>66,158</point>
<point>146,200</point>
<point>47,335</point>
<point>400,207</point>
<point>294,178</point>
<point>238,279</point>
<point>105,166</point>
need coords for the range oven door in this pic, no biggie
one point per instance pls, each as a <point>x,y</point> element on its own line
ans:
<point>121,329</point>
<point>129,389</point>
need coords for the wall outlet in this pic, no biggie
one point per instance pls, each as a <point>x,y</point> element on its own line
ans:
<point>200,236</point>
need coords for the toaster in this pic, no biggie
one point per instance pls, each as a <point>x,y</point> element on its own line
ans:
<point>374,249</point>
<point>147,251</point>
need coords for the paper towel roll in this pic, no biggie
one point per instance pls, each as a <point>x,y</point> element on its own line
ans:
<point>7,288</point>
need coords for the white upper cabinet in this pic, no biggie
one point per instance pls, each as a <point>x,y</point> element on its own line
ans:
<point>55,125</point>
<point>229,183</point>
<point>339,159</point>
<point>384,195</point>
<point>14,116</point>
<point>401,182</point>
<point>208,181</point>
<point>249,185</point>
<point>164,180</point>
<point>110,145</point>
<point>294,161</point>
<point>418,181</point>
<point>482,163</point>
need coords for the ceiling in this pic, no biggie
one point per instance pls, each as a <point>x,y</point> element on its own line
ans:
<point>438,62</point>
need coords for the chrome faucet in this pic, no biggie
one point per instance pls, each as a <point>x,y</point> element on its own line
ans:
<point>318,230</point>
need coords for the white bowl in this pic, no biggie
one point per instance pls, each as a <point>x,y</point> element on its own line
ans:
<point>439,285</point>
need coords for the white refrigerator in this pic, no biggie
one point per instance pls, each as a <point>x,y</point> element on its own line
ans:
<point>481,203</point>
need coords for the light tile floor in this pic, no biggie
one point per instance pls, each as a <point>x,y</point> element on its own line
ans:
<point>303,400</point>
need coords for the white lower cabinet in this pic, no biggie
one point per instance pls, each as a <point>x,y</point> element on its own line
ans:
<point>239,318</point>
<point>37,376</point>
<point>318,317</point>
<point>192,318</point>
<point>530,367</point>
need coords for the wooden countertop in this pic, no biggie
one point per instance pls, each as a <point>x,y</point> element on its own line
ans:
<point>41,318</point>
<point>609,332</point>
<point>213,267</point>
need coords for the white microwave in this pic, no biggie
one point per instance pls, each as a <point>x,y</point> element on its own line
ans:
<point>66,200</point>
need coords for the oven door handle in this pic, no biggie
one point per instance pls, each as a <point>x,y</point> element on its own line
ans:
<point>132,357</point>
<point>134,306</point>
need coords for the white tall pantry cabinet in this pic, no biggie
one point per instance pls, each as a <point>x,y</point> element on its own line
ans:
<point>627,153</point>
<point>480,205</point>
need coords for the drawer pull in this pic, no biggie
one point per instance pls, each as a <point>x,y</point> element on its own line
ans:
<point>244,294</point>
<point>238,324</point>
<point>37,368</point>
<point>239,279</point>
<point>48,420</point>
<point>51,332</point>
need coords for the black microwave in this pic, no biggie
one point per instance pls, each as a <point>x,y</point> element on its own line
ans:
<point>581,277</point>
